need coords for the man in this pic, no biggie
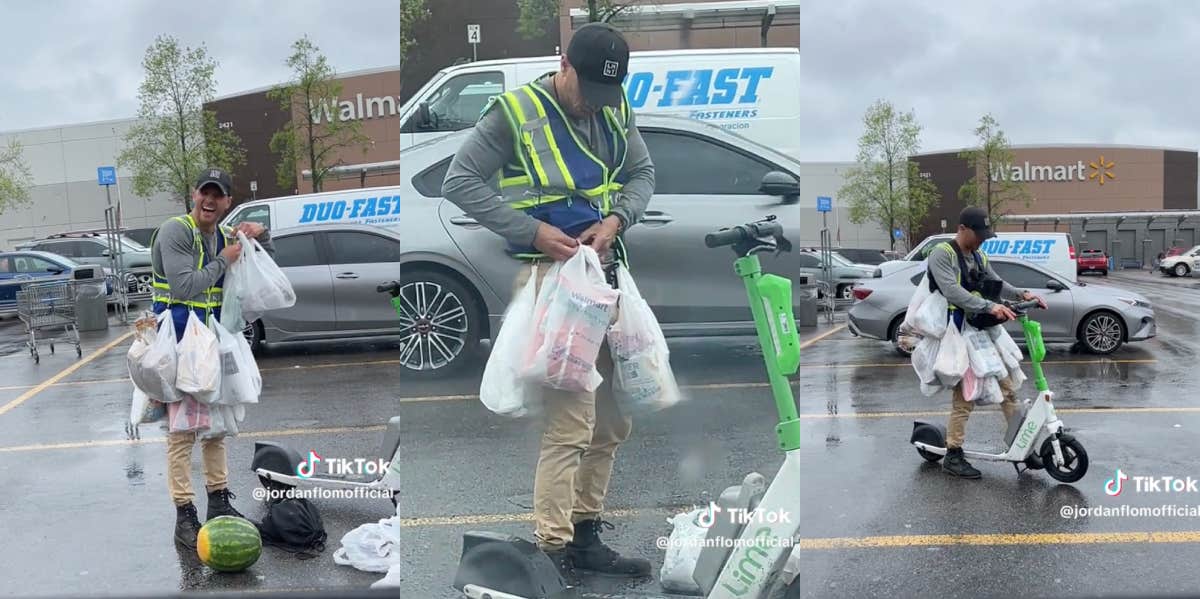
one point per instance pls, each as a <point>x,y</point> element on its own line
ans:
<point>190,259</point>
<point>573,170</point>
<point>963,281</point>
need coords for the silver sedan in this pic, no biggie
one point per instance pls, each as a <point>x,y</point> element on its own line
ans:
<point>1100,318</point>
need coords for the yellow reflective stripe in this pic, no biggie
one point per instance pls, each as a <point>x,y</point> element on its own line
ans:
<point>571,131</point>
<point>531,202</point>
<point>518,180</point>
<point>508,101</point>
<point>527,140</point>
<point>568,180</point>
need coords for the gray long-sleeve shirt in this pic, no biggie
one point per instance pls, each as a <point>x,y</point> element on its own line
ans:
<point>472,181</point>
<point>943,266</point>
<point>174,256</point>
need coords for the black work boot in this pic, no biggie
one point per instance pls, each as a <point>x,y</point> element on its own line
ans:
<point>218,504</point>
<point>957,465</point>
<point>594,556</point>
<point>565,565</point>
<point>187,525</point>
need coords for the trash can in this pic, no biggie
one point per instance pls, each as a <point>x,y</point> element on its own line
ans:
<point>91,299</point>
<point>805,292</point>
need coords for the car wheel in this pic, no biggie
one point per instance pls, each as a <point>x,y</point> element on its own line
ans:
<point>1104,273</point>
<point>1181,270</point>
<point>441,323</point>
<point>1102,333</point>
<point>846,292</point>
<point>254,334</point>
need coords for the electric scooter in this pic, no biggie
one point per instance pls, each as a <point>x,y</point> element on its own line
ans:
<point>499,566</point>
<point>281,469</point>
<point>1034,428</point>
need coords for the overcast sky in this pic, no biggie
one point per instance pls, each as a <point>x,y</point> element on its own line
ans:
<point>74,61</point>
<point>1072,71</point>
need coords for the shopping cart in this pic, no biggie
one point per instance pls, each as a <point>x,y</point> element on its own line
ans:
<point>47,306</point>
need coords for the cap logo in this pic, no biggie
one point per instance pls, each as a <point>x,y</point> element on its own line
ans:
<point>214,174</point>
<point>610,68</point>
<point>987,222</point>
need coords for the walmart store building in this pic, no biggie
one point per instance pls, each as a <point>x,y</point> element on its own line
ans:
<point>1133,202</point>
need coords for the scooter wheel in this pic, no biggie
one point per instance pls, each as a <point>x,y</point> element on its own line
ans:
<point>928,434</point>
<point>1074,457</point>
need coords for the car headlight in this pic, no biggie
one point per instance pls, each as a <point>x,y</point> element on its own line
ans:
<point>1137,303</point>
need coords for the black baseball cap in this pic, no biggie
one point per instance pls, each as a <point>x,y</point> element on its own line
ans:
<point>216,177</point>
<point>976,219</point>
<point>600,55</point>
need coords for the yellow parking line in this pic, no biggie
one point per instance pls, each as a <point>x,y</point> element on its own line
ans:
<point>1100,538</point>
<point>64,373</point>
<point>828,333</point>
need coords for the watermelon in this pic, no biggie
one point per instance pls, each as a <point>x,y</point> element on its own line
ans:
<point>228,544</point>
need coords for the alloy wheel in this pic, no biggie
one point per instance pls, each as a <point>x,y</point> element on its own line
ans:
<point>435,323</point>
<point>1103,333</point>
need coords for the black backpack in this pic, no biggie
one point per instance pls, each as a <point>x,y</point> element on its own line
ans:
<point>294,525</point>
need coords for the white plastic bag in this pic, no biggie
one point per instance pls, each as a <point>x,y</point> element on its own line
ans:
<point>573,313</point>
<point>260,283</point>
<point>985,360</point>
<point>683,551</point>
<point>929,390</point>
<point>143,338</point>
<point>923,359</point>
<point>1016,378</point>
<point>931,317</point>
<point>918,297</point>
<point>502,389</point>
<point>199,362</point>
<point>231,303</point>
<point>158,366</point>
<point>643,380</point>
<point>143,410</point>
<point>241,381</point>
<point>371,547</point>
<point>223,421</point>
<point>1010,352</point>
<point>952,360</point>
<point>187,414</point>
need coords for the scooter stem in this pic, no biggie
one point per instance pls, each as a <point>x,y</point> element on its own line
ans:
<point>771,306</point>
<point>1037,349</point>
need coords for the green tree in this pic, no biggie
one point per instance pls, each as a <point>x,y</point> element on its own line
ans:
<point>412,12</point>
<point>992,188</point>
<point>535,15</point>
<point>319,127</point>
<point>884,187</point>
<point>15,178</point>
<point>175,137</point>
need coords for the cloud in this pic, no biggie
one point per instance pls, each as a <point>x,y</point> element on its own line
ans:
<point>1101,71</point>
<point>80,61</point>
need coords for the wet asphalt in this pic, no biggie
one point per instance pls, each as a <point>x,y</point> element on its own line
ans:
<point>83,511</point>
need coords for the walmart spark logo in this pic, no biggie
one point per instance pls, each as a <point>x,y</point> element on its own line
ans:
<point>1113,485</point>
<point>1100,170</point>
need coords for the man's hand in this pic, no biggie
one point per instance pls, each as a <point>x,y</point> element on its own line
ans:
<point>550,240</point>
<point>232,252</point>
<point>1029,295</point>
<point>251,230</point>
<point>601,235</point>
<point>1002,312</point>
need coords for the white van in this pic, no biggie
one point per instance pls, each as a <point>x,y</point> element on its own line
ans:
<point>379,206</point>
<point>1053,251</point>
<point>754,92</point>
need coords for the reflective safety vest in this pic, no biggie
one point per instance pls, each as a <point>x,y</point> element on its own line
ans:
<point>555,177</point>
<point>162,290</point>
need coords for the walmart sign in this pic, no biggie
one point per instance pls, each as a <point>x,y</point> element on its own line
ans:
<point>368,210</point>
<point>717,93</point>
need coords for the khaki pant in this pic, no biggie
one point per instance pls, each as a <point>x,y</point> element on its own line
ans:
<point>579,443</point>
<point>961,410</point>
<point>179,465</point>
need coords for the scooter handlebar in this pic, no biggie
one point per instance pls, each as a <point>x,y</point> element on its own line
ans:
<point>1025,305</point>
<point>767,229</point>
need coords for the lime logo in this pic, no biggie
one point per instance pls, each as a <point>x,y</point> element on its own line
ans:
<point>1027,434</point>
<point>1100,170</point>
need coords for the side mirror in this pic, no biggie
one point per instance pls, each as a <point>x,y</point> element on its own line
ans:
<point>54,270</point>
<point>424,117</point>
<point>1055,285</point>
<point>777,183</point>
<point>105,253</point>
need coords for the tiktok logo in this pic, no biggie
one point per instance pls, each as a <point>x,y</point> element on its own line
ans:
<point>1113,486</point>
<point>708,517</point>
<point>306,468</point>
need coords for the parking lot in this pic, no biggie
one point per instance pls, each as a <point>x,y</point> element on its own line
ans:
<point>876,519</point>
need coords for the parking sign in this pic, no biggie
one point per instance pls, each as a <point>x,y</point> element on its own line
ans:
<point>106,175</point>
<point>824,204</point>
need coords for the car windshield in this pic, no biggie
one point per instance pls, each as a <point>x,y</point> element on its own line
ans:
<point>133,245</point>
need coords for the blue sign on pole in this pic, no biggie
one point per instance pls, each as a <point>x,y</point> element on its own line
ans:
<point>898,233</point>
<point>824,204</point>
<point>106,175</point>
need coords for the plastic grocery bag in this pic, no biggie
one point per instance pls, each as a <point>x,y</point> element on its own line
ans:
<point>231,303</point>
<point>683,551</point>
<point>143,338</point>
<point>1009,351</point>
<point>985,360</point>
<point>572,316</point>
<point>1016,378</point>
<point>931,317</point>
<point>643,380</point>
<point>223,421</point>
<point>952,360</point>
<point>502,389</point>
<point>929,390</point>
<point>371,547</point>
<point>199,362</point>
<point>241,381</point>
<point>143,410</point>
<point>923,359</point>
<point>155,370</point>
<point>918,297</point>
<point>260,283</point>
<point>187,415</point>
<point>991,392</point>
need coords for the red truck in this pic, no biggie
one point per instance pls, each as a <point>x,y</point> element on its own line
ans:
<point>1092,261</point>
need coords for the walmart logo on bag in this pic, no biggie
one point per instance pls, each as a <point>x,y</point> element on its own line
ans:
<point>368,210</point>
